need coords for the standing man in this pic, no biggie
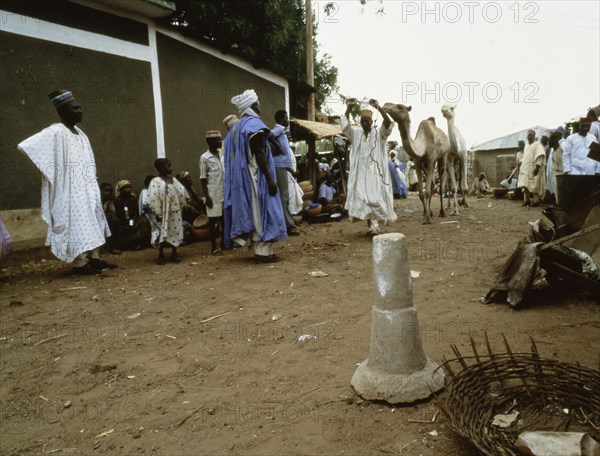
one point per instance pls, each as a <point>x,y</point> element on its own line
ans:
<point>71,203</point>
<point>212,177</point>
<point>576,148</point>
<point>282,157</point>
<point>370,194</point>
<point>519,154</point>
<point>532,175</point>
<point>256,216</point>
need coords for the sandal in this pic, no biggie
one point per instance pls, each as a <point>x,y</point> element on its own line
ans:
<point>217,252</point>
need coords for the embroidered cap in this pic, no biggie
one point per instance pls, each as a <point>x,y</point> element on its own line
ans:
<point>61,97</point>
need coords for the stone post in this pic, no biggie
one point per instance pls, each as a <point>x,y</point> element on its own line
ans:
<point>397,369</point>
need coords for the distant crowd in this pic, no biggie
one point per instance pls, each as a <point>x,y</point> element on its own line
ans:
<point>565,150</point>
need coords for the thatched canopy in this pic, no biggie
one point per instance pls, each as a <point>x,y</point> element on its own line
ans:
<point>303,130</point>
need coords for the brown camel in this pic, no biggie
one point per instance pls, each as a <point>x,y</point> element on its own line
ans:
<point>457,155</point>
<point>430,146</point>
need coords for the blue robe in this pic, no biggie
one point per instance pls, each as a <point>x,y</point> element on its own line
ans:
<point>398,187</point>
<point>238,186</point>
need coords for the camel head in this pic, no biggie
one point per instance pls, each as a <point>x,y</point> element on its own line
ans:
<point>398,112</point>
<point>448,110</point>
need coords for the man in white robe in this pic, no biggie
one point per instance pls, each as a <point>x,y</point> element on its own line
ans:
<point>370,195</point>
<point>576,148</point>
<point>71,204</point>
<point>532,174</point>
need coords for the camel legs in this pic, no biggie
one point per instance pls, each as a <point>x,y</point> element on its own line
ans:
<point>441,164</point>
<point>423,196</point>
<point>450,175</point>
<point>463,181</point>
<point>429,175</point>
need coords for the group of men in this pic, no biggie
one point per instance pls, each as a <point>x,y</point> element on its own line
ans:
<point>245,187</point>
<point>539,162</point>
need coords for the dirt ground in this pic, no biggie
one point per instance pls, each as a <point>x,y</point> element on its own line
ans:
<point>129,362</point>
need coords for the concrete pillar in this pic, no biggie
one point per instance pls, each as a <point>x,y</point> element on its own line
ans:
<point>397,369</point>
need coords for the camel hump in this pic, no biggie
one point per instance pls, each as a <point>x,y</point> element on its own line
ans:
<point>427,129</point>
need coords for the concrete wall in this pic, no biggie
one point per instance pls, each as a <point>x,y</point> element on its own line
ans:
<point>487,162</point>
<point>118,111</point>
<point>197,97</point>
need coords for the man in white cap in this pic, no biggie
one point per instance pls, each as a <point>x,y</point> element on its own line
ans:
<point>253,211</point>
<point>212,174</point>
<point>370,195</point>
<point>71,204</point>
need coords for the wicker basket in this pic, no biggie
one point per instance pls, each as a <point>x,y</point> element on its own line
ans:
<point>549,396</point>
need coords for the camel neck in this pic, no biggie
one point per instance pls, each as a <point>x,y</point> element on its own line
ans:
<point>452,135</point>
<point>407,142</point>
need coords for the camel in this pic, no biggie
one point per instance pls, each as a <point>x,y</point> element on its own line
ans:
<point>430,146</point>
<point>457,155</point>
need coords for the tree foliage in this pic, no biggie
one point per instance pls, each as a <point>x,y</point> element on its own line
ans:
<point>264,31</point>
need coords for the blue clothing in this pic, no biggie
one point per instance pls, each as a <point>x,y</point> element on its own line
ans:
<point>238,219</point>
<point>398,187</point>
<point>284,160</point>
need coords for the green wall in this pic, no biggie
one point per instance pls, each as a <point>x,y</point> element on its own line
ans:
<point>115,94</point>
<point>196,95</point>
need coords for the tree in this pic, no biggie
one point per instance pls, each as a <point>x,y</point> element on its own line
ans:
<point>268,32</point>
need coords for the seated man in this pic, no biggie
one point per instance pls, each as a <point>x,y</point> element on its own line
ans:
<point>326,191</point>
<point>481,186</point>
<point>327,196</point>
<point>108,206</point>
<point>510,182</point>
<point>134,229</point>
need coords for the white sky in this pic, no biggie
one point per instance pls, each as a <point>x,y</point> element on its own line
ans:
<point>547,72</point>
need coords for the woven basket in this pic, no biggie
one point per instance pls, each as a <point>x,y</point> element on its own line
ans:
<point>549,395</point>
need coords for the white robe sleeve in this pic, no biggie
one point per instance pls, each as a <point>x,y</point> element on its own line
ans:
<point>347,129</point>
<point>566,158</point>
<point>386,132</point>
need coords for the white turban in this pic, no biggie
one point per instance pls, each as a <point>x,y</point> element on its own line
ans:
<point>245,100</point>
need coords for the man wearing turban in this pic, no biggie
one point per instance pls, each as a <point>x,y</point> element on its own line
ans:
<point>253,211</point>
<point>370,195</point>
<point>71,204</point>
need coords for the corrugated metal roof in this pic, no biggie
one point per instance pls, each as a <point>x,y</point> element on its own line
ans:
<point>510,141</point>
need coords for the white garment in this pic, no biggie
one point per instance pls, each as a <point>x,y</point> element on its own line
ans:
<point>595,130</point>
<point>327,192</point>
<point>295,193</point>
<point>575,159</point>
<point>212,168</point>
<point>411,173</point>
<point>509,185</point>
<point>167,201</point>
<point>370,194</point>
<point>71,205</point>
<point>550,173</point>
<point>142,200</point>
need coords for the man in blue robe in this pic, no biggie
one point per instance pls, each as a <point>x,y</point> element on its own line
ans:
<point>397,175</point>
<point>253,211</point>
